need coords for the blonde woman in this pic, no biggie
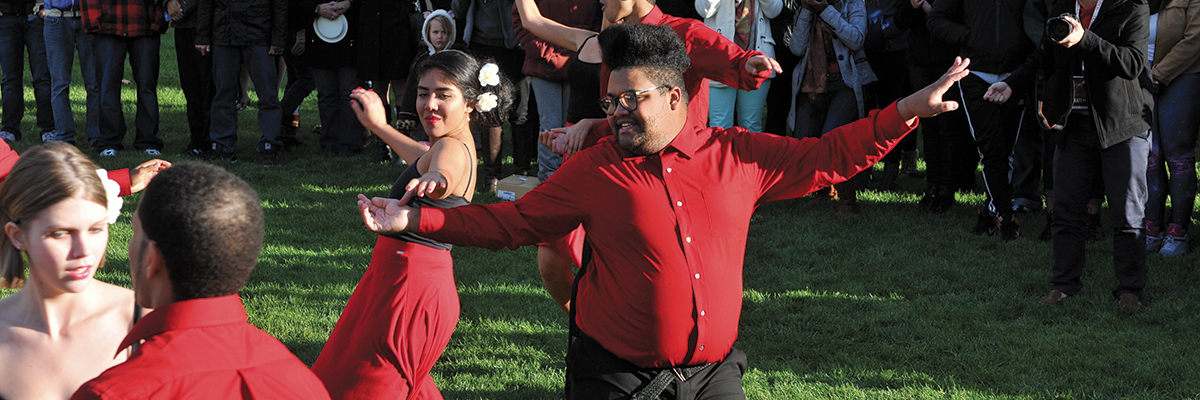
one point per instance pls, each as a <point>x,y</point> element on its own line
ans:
<point>63,326</point>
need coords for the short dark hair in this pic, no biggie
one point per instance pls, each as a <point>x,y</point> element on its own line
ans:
<point>655,48</point>
<point>463,70</point>
<point>208,224</point>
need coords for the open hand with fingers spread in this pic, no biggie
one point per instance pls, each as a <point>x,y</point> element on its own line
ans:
<point>382,215</point>
<point>928,101</point>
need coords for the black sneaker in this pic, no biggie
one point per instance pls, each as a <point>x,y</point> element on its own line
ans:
<point>269,157</point>
<point>941,200</point>
<point>1009,230</point>
<point>927,197</point>
<point>192,152</point>
<point>985,225</point>
<point>216,154</point>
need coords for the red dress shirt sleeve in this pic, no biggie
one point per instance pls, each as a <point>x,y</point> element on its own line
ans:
<point>121,176</point>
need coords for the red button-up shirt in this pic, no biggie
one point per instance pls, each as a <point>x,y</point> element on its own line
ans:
<point>204,349</point>
<point>128,18</point>
<point>713,57</point>
<point>668,230</point>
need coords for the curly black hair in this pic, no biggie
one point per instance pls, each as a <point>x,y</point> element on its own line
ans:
<point>656,48</point>
<point>208,223</point>
<point>463,70</point>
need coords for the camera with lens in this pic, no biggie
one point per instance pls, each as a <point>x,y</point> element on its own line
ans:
<point>1058,28</point>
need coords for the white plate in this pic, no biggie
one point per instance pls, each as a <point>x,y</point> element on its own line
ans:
<point>331,30</point>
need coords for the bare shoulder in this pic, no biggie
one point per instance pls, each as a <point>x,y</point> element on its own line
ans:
<point>115,304</point>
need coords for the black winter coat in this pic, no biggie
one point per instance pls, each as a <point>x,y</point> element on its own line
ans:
<point>242,23</point>
<point>1116,73</point>
<point>989,32</point>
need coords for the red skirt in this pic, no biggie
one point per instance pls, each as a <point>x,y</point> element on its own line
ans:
<point>395,326</point>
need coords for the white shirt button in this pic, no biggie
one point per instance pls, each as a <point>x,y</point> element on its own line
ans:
<point>688,239</point>
<point>668,170</point>
<point>701,347</point>
<point>679,203</point>
<point>697,276</point>
<point>702,313</point>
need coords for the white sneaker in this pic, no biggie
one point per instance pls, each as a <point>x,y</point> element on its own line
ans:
<point>8,136</point>
<point>1174,246</point>
<point>48,137</point>
<point>153,152</point>
<point>108,152</point>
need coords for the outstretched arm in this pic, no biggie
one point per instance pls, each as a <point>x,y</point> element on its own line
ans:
<point>548,29</point>
<point>388,216</point>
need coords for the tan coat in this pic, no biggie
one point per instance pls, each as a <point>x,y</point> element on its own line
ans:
<point>1177,42</point>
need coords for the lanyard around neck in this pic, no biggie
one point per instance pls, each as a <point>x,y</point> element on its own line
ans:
<point>1095,12</point>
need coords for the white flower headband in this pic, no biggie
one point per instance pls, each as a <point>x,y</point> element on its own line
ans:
<point>489,75</point>
<point>113,191</point>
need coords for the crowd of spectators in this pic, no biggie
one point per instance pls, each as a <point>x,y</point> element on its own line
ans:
<point>838,58</point>
<point>1102,94</point>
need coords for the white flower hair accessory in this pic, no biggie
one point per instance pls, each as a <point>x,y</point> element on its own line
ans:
<point>489,75</point>
<point>113,191</point>
<point>486,102</point>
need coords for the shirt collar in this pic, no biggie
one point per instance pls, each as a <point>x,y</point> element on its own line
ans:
<point>654,17</point>
<point>187,314</point>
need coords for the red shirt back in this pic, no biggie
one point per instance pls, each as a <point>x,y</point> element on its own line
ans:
<point>204,349</point>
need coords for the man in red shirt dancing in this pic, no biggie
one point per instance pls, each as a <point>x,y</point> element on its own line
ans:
<point>666,203</point>
<point>197,234</point>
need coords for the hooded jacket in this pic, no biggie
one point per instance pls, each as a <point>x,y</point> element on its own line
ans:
<point>452,30</point>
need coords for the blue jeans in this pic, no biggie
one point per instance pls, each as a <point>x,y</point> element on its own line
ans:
<point>63,37</point>
<point>552,99</point>
<point>109,52</point>
<point>724,100</point>
<point>1172,149</point>
<point>834,108</point>
<point>227,67</point>
<point>20,34</point>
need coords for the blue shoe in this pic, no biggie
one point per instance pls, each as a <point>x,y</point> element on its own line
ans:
<point>108,152</point>
<point>1175,241</point>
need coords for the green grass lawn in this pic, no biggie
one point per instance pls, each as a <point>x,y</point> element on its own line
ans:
<point>893,303</point>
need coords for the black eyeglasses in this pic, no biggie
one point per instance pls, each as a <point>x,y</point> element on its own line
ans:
<point>627,99</point>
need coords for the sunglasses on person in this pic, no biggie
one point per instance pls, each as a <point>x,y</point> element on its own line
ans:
<point>627,99</point>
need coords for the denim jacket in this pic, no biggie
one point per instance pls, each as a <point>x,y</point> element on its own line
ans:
<point>849,23</point>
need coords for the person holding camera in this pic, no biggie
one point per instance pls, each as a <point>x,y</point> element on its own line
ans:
<point>991,34</point>
<point>1096,92</point>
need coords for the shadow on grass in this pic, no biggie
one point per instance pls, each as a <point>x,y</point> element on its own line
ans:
<point>945,311</point>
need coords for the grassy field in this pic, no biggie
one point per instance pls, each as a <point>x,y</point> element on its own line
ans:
<point>893,303</point>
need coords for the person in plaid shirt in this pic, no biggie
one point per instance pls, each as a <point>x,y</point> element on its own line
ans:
<point>123,27</point>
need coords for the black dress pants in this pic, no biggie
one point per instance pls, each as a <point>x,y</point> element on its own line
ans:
<point>1078,163</point>
<point>196,80</point>
<point>595,373</point>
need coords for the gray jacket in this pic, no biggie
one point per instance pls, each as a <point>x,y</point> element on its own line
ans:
<point>849,23</point>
